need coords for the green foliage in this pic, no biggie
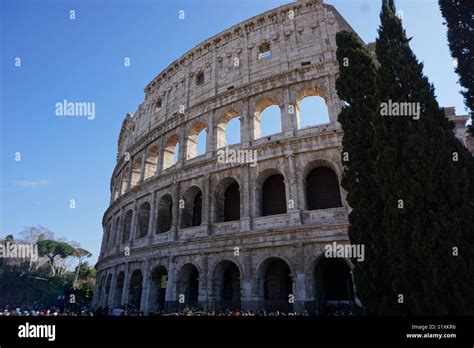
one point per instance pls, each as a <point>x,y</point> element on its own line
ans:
<point>410,248</point>
<point>459,16</point>
<point>356,86</point>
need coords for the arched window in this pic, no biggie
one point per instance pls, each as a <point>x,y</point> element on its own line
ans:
<point>151,162</point>
<point>171,152</point>
<point>188,284</point>
<point>322,189</point>
<point>312,110</point>
<point>143,219</point>
<point>192,212</point>
<point>135,290</point>
<point>267,121</point>
<point>125,178</point>
<point>165,214</point>
<point>127,226</point>
<point>228,130</point>
<point>157,296</point>
<point>273,195</point>
<point>197,140</point>
<point>119,289</point>
<point>276,284</point>
<point>227,200</point>
<point>226,286</point>
<point>136,170</point>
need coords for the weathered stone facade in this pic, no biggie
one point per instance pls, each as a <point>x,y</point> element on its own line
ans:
<point>167,241</point>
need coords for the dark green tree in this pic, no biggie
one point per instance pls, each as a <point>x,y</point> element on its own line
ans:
<point>356,87</point>
<point>459,16</point>
<point>422,172</point>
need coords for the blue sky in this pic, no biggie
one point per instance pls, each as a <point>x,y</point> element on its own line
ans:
<point>64,158</point>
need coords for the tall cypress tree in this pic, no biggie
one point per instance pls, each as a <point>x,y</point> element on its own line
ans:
<point>356,86</point>
<point>459,16</point>
<point>422,172</point>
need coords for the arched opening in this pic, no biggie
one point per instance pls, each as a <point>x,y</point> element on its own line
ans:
<point>333,284</point>
<point>119,290</point>
<point>108,286</point>
<point>100,291</point>
<point>107,236</point>
<point>171,152</point>
<point>273,195</point>
<point>125,179</point>
<point>159,278</point>
<point>227,200</point>
<point>127,226</point>
<point>228,129</point>
<point>151,162</point>
<point>192,212</point>
<point>188,286</point>
<point>227,291</point>
<point>136,171</point>
<point>312,110</point>
<point>117,184</point>
<point>322,189</point>
<point>267,119</point>
<point>143,219</point>
<point>164,219</point>
<point>136,287</point>
<point>196,145</point>
<point>277,285</point>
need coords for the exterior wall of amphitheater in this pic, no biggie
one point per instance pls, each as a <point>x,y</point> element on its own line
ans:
<point>222,78</point>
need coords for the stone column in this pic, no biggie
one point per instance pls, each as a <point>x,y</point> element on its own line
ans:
<point>288,123</point>
<point>170,294</point>
<point>295,212</point>
<point>151,225</point>
<point>206,204</point>
<point>176,210</point>
<point>203,282</point>
<point>130,169</point>
<point>142,169</point>
<point>161,155</point>
<point>247,284</point>
<point>112,289</point>
<point>144,301</point>
<point>133,229</point>
<point>246,125</point>
<point>126,283</point>
<point>245,220</point>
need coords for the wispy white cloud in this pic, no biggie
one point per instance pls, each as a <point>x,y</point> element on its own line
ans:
<point>30,184</point>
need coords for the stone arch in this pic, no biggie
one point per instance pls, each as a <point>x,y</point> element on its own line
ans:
<point>127,226</point>
<point>171,152</point>
<point>119,283</point>
<point>143,219</point>
<point>333,283</point>
<point>125,179</point>
<point>275,284</point>
<point>226,285</point>
<point>136,171</point>
<point>311,109</point>
<point>267,107</point>
<point>151,163</point>
<point>270,193</point>
<point>191,214</point>
<point>322,185</point>
<point>222,136</point>
<point>227,200</point>
<point>164,219</point>
<point>188,285</point>
<point>136,288</point>
<point>159,281</point>
<point>193,141</point>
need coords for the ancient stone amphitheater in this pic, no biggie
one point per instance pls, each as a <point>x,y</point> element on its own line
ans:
<point>190,229</point>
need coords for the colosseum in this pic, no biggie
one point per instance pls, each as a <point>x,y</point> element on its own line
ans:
<point>241,225</point>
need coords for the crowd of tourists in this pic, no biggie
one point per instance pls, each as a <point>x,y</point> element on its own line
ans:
<point>129,310</point>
